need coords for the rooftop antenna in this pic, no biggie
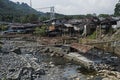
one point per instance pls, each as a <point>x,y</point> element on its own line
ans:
<point>30,3</point>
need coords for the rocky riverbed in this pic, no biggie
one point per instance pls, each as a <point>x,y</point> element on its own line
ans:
<point>38,64</point>
<point>33,64</point>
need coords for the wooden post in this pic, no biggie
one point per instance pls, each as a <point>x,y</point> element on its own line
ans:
<point>97,32</point>
<point>100,32</point>
<point>114,44</point>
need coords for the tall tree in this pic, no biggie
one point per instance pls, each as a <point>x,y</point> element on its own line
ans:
<point>117,9</point>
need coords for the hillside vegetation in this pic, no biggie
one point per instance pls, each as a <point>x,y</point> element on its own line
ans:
<point>8,7</point>
<point>13,11</point>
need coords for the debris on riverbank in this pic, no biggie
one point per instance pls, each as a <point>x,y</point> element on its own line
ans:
<point>31,64</point>
<point>110,75</point>
<point>40,62</point>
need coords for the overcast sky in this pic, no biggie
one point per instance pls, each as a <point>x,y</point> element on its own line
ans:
<point>72,7</point>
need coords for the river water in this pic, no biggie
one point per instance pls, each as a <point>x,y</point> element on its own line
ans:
<point>58,68</point>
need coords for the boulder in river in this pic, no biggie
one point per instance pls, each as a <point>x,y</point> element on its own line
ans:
<point>40,72</point>
<point>16,50</point>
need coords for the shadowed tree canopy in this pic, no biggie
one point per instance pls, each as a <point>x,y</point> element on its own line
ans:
<point>117,9</point>
<point>29,18</point>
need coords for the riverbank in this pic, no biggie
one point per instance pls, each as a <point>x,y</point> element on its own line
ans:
<point>34,64</point>
<point>42,61</point>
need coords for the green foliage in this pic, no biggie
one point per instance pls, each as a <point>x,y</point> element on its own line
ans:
<point>104,15</point>
<point>75,16</point>
<point>92,36</point>
<point>4,78</point>
<point>117,10</point>
<point>10,11</point>
<point>3,27</point>
<point>29,18</point>
<point>80,16</point>
<point>43,18</point>
<point>40,30</point>
<point>21,12</point>
<point>89,15</point>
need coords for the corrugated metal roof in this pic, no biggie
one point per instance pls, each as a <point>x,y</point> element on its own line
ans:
<point>82,48</point>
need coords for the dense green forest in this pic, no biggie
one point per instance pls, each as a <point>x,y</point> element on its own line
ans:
<point>10,11</point>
